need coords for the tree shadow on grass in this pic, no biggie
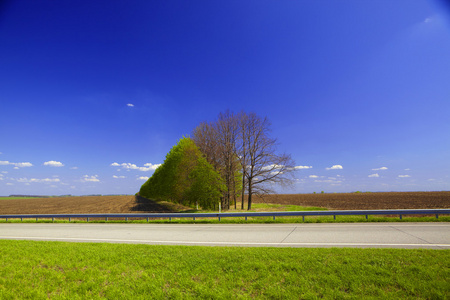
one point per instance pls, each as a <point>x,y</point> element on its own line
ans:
<point>147,205</point>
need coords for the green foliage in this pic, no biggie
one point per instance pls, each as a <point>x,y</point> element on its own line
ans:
<point>56,270</point>
<point>185,177</point>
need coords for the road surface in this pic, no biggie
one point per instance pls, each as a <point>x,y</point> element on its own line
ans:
<point>361,235</point>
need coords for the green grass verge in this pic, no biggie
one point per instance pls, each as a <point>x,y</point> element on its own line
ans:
<point>14,198</point>
<point>58,270</point>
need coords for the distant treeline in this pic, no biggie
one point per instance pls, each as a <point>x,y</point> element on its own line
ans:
<point>55,196</point>
<point>29,196</point>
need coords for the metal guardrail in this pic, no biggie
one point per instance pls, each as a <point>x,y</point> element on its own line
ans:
<point>399,212</point>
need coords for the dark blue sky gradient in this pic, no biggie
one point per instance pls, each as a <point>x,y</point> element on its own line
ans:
<point>360,84</point>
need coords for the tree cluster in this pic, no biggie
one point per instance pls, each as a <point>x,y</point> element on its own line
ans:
<point>223,161</point>
<point>241,150</point>
<point>185,177</point>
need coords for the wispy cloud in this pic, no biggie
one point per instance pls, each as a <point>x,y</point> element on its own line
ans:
<point>404,176</point>
<point>313,176</point>
<point>302,167</point>
<point>142,178</point>
<point>130,166</point>
<point>44,180</point>
<point>374,175</point>
<point>130,105</point>
<point>53,163</point>
<point>16,165</point>
<point>118,177</point>
<point>382,168</point>
<point>74,168</point>
<point>87,178</point>
<point>335,167</point>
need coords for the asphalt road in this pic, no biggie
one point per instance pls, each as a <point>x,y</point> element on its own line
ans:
<point>362,235</point>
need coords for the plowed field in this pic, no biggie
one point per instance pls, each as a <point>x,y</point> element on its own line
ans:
<point>88,204</point>
<point>356,201</point>
<point>132,204</point>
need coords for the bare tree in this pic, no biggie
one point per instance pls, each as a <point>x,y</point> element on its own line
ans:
<point>262,167</point>
<point>240,148</point>
<point>217,141</point>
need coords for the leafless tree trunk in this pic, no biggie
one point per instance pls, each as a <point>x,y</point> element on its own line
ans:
<point>262,167</point>
<point>242,142</point>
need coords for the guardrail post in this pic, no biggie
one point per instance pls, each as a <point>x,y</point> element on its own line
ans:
<point>170,219</point>
<point>69,219</point>
<point>106,219</point>
<point>6,219</point>
<point>53,220</point>
<point>303,217</point>
<point>21,219</point>
<point>367,217</point>
<point>334,217</point>
<point>126,219</point>
<point>88,219</point>
<point>245,218</point>
<point>274,218</point>
<point>219,218</point>
<point>147,219</point>
<point>36,219</point>
<point>400,217</point>
<point>437,216</point>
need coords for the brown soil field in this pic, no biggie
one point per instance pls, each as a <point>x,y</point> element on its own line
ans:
<point>132,204</point>
<point>358,201</point>
<point>82,205</point>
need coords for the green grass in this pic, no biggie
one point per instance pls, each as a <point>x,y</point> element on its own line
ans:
<point>14,198</point>
<point>57,270</point>
<point>258,207</point>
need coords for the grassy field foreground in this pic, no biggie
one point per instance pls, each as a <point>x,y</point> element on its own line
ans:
<point>42,270</point>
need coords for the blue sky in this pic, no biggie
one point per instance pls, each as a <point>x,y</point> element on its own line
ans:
<point>93,94</point>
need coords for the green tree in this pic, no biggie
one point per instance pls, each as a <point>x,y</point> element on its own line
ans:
<point>185,177</point>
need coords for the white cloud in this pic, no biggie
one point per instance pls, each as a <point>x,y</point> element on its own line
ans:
<point>5,172</point>
<point>272,167</point>
<point>335,167</point>
<point>275,166</point>
<point>142,178</point>
<point>130,105</point>
<point>87,178</point>
<point>74,168</point>
<point>404,176</point>
<point>9,183</point>
<point>117,177</point>
<point>44,180</point>
<point>302,167</point>
<point>313,176</point>
<point>407,169</point>
<point>53,163</point>
<point>151,166</point>
<point>428,20</point>
<point>374,175</point>
<point>23,164</point>
<point>382,168</point>
<point>130,166</point>
<point>16,165</point>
